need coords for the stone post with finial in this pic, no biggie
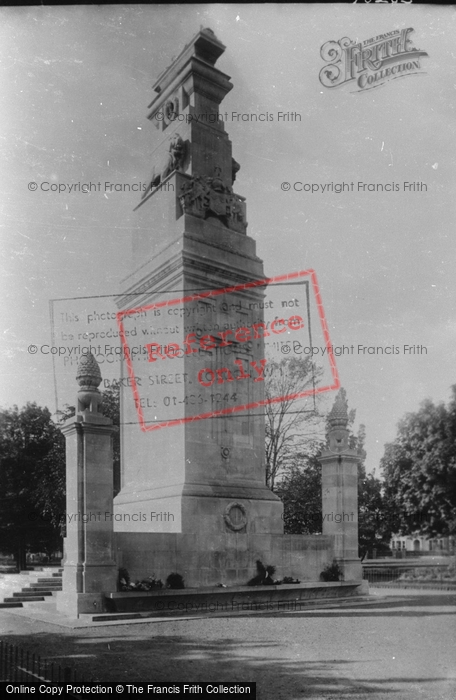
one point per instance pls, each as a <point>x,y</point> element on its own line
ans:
<point>89,564</point>
<point>339,484</point>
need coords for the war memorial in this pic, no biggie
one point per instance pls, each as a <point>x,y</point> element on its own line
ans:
<point>193,498</point>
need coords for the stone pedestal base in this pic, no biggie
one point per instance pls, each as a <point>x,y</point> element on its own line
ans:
<point>87,578</point>
<point>352,569</point>
<point>207,559</point>
<point>75,604</point>
<point>284,598</point>
<point>199,508</point>
<point>84,588</point>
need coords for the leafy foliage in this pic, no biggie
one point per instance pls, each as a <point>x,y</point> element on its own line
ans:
<point>300,492</point>
<point>110,407</point>
<point>293,469</point>
<point>331,572</point>
<point>32,476</point>
<point>374,523</point>
<point>374,527</point>
<point>419,469</point>
<point>175,581</point>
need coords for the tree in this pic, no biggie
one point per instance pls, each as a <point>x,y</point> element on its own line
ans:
<point>374,530</point>
<point>300,492</point>
<point>288,427</point>
<point>32,476</point>
<point>31,452</point>
<point>419,469</point>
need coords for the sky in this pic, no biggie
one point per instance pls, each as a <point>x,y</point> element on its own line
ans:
<point>76,83</point>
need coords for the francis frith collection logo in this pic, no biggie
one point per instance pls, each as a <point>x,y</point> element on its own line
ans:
<point>370,63</point>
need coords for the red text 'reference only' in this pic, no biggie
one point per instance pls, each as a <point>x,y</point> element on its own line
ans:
<point>293,323</point>
<point>210,342</point>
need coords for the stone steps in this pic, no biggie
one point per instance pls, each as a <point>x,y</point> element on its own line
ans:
<point>23,599</point>
<point>16,604</point>
<point>49,580</point>
<point>39,589</point>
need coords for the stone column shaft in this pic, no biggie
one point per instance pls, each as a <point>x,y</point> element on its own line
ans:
<point>339,485</point>
<point>89,564</point>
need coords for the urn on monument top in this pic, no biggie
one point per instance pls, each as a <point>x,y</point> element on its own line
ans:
<point>88,376</point>
<point>337,423</point>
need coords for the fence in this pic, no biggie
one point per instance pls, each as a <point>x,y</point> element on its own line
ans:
<point>19,665</point>
<point>421,575</point>
<point>405,554</point>
<point>384,574</point>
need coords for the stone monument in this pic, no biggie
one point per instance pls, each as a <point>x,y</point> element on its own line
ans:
<point>193,497</point>
<point>89,566</point>
<point>202,479</point>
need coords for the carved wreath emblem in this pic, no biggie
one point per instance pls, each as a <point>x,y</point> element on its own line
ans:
<point>235,516</point>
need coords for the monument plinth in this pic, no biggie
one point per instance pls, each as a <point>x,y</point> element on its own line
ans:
<point>193,498</point>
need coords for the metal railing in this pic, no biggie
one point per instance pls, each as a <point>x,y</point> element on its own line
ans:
<point>16,664</point>
<point>411,574</point>
<point>384,574</point>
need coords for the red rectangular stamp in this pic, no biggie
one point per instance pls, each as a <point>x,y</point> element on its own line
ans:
<point>207,354</point>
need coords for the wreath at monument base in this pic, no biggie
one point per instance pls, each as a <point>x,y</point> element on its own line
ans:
<point>265,574</point>
<point>147,584</point>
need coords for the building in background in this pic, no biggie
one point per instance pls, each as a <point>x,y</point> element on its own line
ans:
<point>422,544</point>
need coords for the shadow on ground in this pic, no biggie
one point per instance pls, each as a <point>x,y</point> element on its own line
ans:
<point>170,652</point>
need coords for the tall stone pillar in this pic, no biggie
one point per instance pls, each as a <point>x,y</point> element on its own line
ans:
<point>89,565</point>
<point>206,476</point>
<point>339,483</point>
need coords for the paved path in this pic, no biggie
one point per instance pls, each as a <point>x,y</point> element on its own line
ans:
<point>401,647</point>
